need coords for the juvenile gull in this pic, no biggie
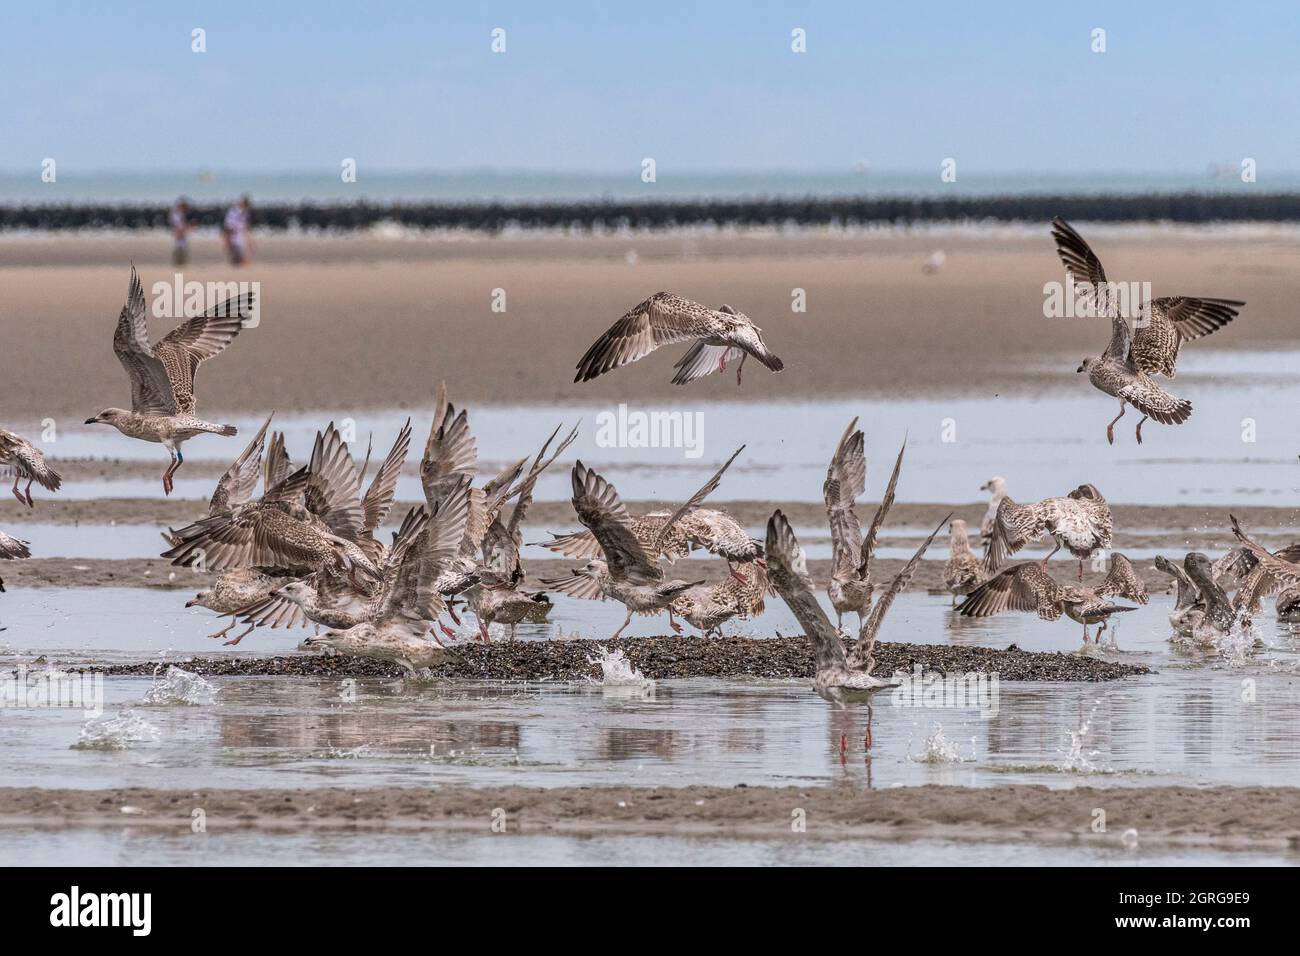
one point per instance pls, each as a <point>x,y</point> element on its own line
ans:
<point>709,606</point>
<point>719,335</point>
<point>410,602</point>
<point>627,572</point>
<point>997,489</point>
<point>964,572</point>
<point>1144,345</point>
<point>25,460</point>
<point>841,677</point>
<point>850,586</point>
<point>236,587</point>
<point>1028,587</point>
<point>11,548</point>
<point>1189,606</point>
<point>1165,323</point>
<point>1080,521</point>
<point>162,376</point>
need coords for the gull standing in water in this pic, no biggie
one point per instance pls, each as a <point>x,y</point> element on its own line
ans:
<point>719,335</point>
<point>25,460</point>
<point>841,677</point>
<point>964,572</point>
<point>850,586</point>
<point>997,489</point>
<point>162,376</point>
<point>1146,347</point>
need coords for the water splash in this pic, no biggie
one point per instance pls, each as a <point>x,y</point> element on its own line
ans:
<point>1077,759</point>
<point>179,688</point>
<point>115,733</point>
<point>939,750</point>
<point>617,671</point>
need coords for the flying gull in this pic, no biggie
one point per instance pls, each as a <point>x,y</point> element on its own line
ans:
<point>162,376</point>
<point>25,460</point>
<point>719,336</point>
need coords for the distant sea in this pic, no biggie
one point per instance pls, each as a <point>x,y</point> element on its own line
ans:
<point>73,186</point>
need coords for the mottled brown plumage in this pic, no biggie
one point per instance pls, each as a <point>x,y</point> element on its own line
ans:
<point>719,336</point>
<point>24,460</point>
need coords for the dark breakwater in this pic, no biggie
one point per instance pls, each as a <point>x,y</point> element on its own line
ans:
<point>613,214</point>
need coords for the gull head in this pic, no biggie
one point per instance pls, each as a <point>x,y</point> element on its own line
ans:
<point>995,485</point>
<point>109,416</point>
<point>296,591</point>
<point>351,641</point>
<point>199,599</point>
<point>1084,365</point>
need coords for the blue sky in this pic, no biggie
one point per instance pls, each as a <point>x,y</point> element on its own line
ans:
<point>699,86</point>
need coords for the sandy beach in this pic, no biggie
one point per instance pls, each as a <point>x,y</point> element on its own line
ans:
<point>388,318</point>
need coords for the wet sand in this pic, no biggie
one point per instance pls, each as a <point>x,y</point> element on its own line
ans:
<point>1175,529</point>
<point>157,573</point>
<point>662,658</point>
<point>361,322</point>
<point>1220,817</point>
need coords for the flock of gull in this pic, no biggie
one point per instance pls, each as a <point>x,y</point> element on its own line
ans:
<point>306,551</point>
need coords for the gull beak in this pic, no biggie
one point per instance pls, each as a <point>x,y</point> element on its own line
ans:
<point>189,603</point>
<point>1079,369</point>
<point>92,421</point>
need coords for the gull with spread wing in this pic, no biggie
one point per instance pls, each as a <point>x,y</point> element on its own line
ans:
<point>25,460</point>
<point>1143,345</point>
<point>851,587</point>
<point>1028,587</point>
<point>162,376</point>
<point>841,677</point>
<point>626,571</point>
<point>719,336</point>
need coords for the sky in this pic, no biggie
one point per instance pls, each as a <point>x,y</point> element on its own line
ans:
<point>597,87</point>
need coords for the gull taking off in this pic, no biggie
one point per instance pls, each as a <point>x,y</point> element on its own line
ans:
<point>1143,346</point>
<point>162,376</point>
<point>719,335</point>
<point>841,677</point>
<point>25,460</point>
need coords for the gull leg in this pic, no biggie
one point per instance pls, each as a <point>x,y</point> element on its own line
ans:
<point>1043,562</point>
<point>626,621</point>
<point>740,367</point>
<point>225,630</point>
<point>677,628</point>
<point>483,631</point>
<point>239,637</point>
<point>451,612</point>
<point>1110,429</point>
<point>18,494</point>
<point>1081,569</point>
<point>28,492</point>
<point>1139,428</point>
<point>1096,638</point>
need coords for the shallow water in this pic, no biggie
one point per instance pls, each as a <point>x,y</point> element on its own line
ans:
<point>1043,446</point>
<point>1187,724</point>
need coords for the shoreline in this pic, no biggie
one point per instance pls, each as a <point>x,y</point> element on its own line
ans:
<point>1240,818</point>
